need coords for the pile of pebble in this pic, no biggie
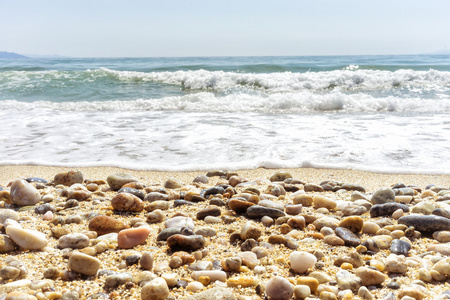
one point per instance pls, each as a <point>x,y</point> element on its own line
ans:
<point>280,238</point>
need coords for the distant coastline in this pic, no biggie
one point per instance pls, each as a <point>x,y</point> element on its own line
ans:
<point>11,55</point>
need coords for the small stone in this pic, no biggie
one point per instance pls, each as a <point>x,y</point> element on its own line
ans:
<point>248,258</point>
<point>216,293</point>
<point>250,230</point>
<point>412,292</point>
<point>426,223</point>
<point>348,236</point>
<point>146,260</point>
<point>79,194</point>
<point>156,196</point>
<point>127,202</point>
<point>6,244</point>
<point>304,200</point>
<point>16,295</point>
<point>84,264</point>
<point>118,279</point>
<point>231,264</point>
<point>180,222</point>
<point>352,258</point>
<point>211,210</point>
<point>68,178</point>
<point>297,222</point>
<point>104,225</point>
<point>212,274</point>
<point>242,281</point>
<point>74,241</point>
<point>294,210</point>
<point>321,201</point>
<point>173,183</point>
<point>397,214</point>
<point>370,228</point>
<point>400,247</point>
<point>393,285</point>
<point>6,214</point>
<point>310,187</point>
<point>364,293</point>
<point>201,179</point>
<point>185,242</point>
<point>333,240</point>
<point>355,224</point>
<point>326,222</point>
<point>387,209</point>
<point>353,210</point>
<point>129,238</point>
<point>301,261</point>
<point>267,221</point>
<point>156,289</point>
<point>23,193</point>
<point>155,216</point>
<point>311,282</point>
<point>382,196</point>
<point>279,288</point>
<point>347,281</point>
<point>9,273</point>
<point>301,291</point>
<point>116,181</point>
<point>258,211</point>
<point>443,266</point>
<point>396,264</point>
<point>370,277</point>
<point>206,232</point>
<point>280,176</point>
<point>238,205</point>
<point>442,236</point>
<point>383,241</point>
<point>132,191</point>
<point>27,238</point>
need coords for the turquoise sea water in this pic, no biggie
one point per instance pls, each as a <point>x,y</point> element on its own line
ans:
<point>378,113</point>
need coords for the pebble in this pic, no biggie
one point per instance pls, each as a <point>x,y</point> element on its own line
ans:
<point>6,244</point>
<point>127,202</point>
<point>370,228</point>
<point>132,191</point>
<point>297,222</point>
<point>212,274</point>
<point>118,279</point>
<point>156,289</point>
<point>146,260</point>
<point>426,223</point>
<point>364,293</point>
<point>28,239</point>
<point>301,261</point>
<point>400,247</point>
<point>354,223</point>
<point>346,280</point>
<point>279,288</point>
<point>180,222</point>
<point>382,196</point>
<point>321,201</point>
<point>396,264</point>
<point>303,199</point>
<point>412,292</point>
<point>216,293</point>
<point>326,222</point>
<point>16,295</point>
<point>84,264</point>
<point>369,276</point>
<point>105,224</point>
<point>185,242</point>
<point>24,194</point>
<point>387,209</point>
<point>173,183</point>
<point>301,291</point>
<point>248,258</point>
<point>349,238</point>
<point>383,241</point>
<point>310,187</point>
<point>333,240</point>
<point>155,216</point>
<point>239,206</point>
<point>250,230</point>
<point>211,210</point>
<point>258,211</point>
<point>293,209</point>
<point>156,196</point>
<point>68,178</point>
<point>116,181</point>
<point>74,241</point>
<point>6,214</point>
<point>129,238</point>
<point>243,281</point>
<point>423,207</point>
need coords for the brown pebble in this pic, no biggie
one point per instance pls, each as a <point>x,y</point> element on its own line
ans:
<point>104,225</point>
<point>127,202</point>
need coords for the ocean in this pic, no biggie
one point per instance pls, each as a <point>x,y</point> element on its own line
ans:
<point>373,113</point>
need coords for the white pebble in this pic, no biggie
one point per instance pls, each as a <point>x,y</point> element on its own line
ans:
<point>195,286</point>
<point>302,261</point>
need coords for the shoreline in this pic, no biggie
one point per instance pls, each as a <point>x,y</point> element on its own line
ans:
<point>370,180</point>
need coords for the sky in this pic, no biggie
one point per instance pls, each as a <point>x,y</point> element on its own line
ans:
<point>147,28</point>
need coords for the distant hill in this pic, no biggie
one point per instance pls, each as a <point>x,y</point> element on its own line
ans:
<point>11,55</point>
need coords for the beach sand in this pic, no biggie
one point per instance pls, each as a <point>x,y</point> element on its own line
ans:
<point>218,246</point>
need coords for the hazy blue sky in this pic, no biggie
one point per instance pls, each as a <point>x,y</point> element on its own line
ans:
<point>229,27</point>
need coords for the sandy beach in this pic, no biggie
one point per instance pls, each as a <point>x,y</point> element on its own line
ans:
<point>223,236</point>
